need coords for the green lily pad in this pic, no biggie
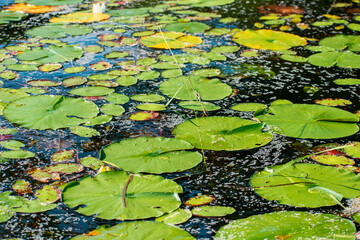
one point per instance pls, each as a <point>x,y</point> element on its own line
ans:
<point>353,151</point>
<point>102,76</point>
<point>151,107</point>
<point>341,42</point>
<point>222,133</point>
<point>64,168</point>
<point>91,162</point>
<point>321,186</point>
<point>117,195</point>
<point>112,109</point>
<point>126,80</point>
<point>21,186</point>
<point>151,155</point>
<point>84,131</point>
<point>123,72</point>
<point>93,49</point>
<point>12,144</point>
<point>205,3</point>
<point>167,65</point>
<point>63,155</point>
<point>91,91</point>
<point>48,194</point>
<point>146,61</point>
<point>217,31</point>
<point>137,230</point>
<point>310,121</point>
<point>98,120</point>
<point>347,81</point>
<point>176,217</point>
<point>8,94</point>
<point>199,106</point>
<point>8,16</point>
<point>73,81</point>
<point>354,26</point>
<point>288,225</point>
<point>43,83</point>
<point>332,159</point>
<point>189,27</point>
<point>49,67</point>
<point>199,200</point>
<point>117,98</point>
<point>150,75</point>
<point>345,59</point>
<point>52,54</point>
<point>58,31</point>
<point>76,69</point>
<point>293,58</point>
<point>322,23</point>
<point>248,107</point>
<point>179,58</point>
<point>116,54</point>
<point>195,59</point>
<point>17,154</point>
<point>333,102</point>
<point>49,112</point>
<point>9,75</point>
<point>171,40</point>
<point>43,176</point>
<point>33,206</point>
<point>268,39</point>
<point>147,98</point>
<point>22,67</point>
<point>212,211</point>
<point>207,89</point>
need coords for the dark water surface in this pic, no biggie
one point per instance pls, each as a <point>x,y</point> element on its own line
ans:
<point>227,177</point>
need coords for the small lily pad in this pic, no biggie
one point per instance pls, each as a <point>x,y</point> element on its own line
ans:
<point>43,83</point>
<point>117,98</point>
<point>48,194</point>
<point>212,211</point>
<point>84,131</point>
<point>64,168</point>
<point>22,67</point>
<point>147,98</point>
<point>143,116</point>
<point>17,154</point>
<point>12,144</point>
<point>126,80</point>
<point>148,75</point>
<point>21,186</point>
<point>91,162</point>
<point>199,106</point>
<point>112,109</point>
<point>248,107</point>
<point>98,120</point>
<point>173,40</point>
<point>333,102</point>
<point>176,217</point>
<point>116,54</point>
<point>347,81</point>
<point>151,107</point>
<point>49,67</point>
<point>199,200</point>
<point>74,81</point>
<point>330,159</point>
<point>100,66</point>
<point>9,75</point>
<point>63,155</point>
<point>91,91</point>
<point>189,27</point>
<point>93,49</point>
<point>76,69</point>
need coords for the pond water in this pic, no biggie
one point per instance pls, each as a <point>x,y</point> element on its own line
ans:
<point>261,77</point>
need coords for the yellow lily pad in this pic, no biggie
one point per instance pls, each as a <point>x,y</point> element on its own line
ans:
<point>173,40</point>
<point>80,17</point>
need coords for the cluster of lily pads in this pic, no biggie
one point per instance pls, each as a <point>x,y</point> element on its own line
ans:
<point>126,184</point>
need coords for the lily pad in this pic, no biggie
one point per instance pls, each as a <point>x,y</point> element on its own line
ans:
<point>116,54</point>
<point>9,75</point>
<point>58,31</point>
<point>63,168</point>
<point>212,211</point>
<point>199,200</point>
<point>12,144</point>
<point>151,107</point>
<point>199,106</point>
<point>288,225</point>
<point>347,81</point>
<point>98,120</point>
<point>76,69</point>
<point>91,91</point>
<point>93,49</point>
<point>205,3</point>
<point>353,151</point>
<point>143,116</point>
<point>137,230</point>
<point>330,159</point>
<point>176,217</point>
<point>248,107</point>
<point>151,155</point>
<point>126,80</point>
<point>21,186</point>
<point>147,98</point>
<point>183,88</point>
<point>63,155</point>
<point>49,112</point>
<point>22,67</point>
<point>91,162</point>
<point>320,187</point>
<point>43,83</point>
<point>49,67</point>
<point>268,39</point>
<point>52,54</point>
<point>333,102</point>
<point>345,59</point>
<point>171,40</point>
<point>100,66</point>
<point>189,27</point>
<point>117,98</point>
<point>310,121</point>
<point>112,109</point>
<point>73,81</point>
<point>341,42</point>
<point>222,133</point>
<point>84,131</point>
<point>150,75</point>
<point>17,154</point>
<point>119,195</point>
<point>48,194</point>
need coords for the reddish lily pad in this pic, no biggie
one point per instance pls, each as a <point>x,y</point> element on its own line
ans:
<point>21,186</point>
<point>48,194</point>
<point>330,159</point>
<point>43,176</point>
